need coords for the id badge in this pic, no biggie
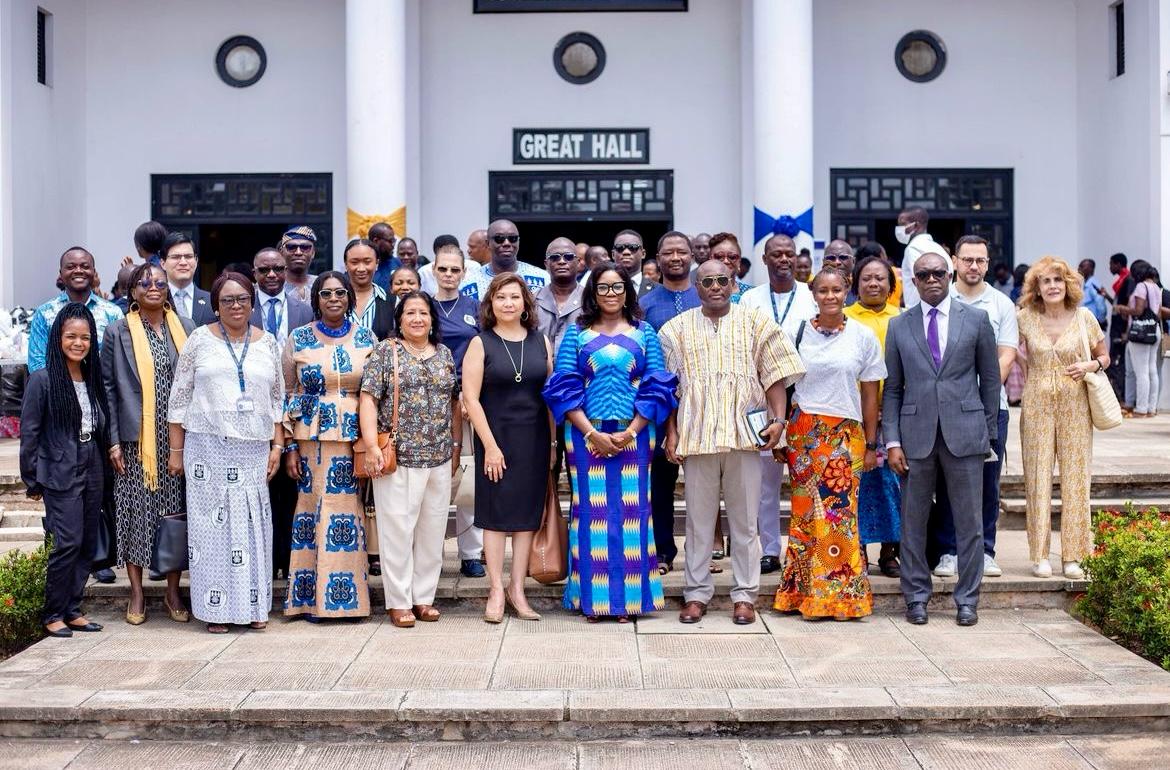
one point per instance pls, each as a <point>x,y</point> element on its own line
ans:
<point>244,404</point>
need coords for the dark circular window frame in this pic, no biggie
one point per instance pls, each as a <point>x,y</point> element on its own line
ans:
<point>571,39</point>
<point>932,40</point>
<point>221,60</point>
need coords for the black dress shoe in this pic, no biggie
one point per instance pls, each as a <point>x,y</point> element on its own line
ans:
<point>769,564</point>
<point>104,575</point>
<point>60,633</point>
<point>967,615</point>
<point>90,626</point>
<point>156,576</point>
<point>916,613</point>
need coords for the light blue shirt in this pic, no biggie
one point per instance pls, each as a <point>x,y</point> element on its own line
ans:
<point>476,286</point>
<point>104,314</point>
<point>1094,301</point>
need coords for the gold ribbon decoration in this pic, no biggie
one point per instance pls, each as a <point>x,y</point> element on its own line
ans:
<point>358,225</point>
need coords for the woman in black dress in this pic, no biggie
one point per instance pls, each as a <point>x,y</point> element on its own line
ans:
<point>504,371</point>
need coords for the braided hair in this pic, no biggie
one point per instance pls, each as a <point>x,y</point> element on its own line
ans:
<point>66,413</point>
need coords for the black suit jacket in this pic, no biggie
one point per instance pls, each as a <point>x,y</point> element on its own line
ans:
<point>384,316</point>
<point>297,311</point>
<point>48,454</point>
<point>202,313</point>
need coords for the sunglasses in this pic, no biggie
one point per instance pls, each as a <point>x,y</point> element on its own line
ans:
<point>714,280</point>
<point>925,275</point>
<point>567,256</point>
<point>620,247</point>
<point>835,258</point>
<point>331,293</point>
<point>241,300</point>
<point>276,269</point>
<point>615,288</point>
<point>506,238</point>
<point>446,270</point>
<point>295,247</point>
<point>146,283</point>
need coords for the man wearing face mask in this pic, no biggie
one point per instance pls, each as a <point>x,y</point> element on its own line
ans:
<point>911,232</point>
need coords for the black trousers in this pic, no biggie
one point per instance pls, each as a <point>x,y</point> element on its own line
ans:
<point>663,478</point>
<point>72,517</point>
<point>282,493</point>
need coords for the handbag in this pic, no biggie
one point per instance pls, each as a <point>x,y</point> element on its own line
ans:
<point>170,545</point>
<point>548,559</point>
<point>1103,405</point>
<point>1144,329</point>
<point>387,442</point>
<point>105,555</point>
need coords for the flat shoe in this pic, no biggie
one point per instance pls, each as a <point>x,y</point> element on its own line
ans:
<point>60,633</point>
<point>217,628</point>
<point>90,627</point>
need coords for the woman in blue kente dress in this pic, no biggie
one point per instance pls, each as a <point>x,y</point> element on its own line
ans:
<point>611,386</point>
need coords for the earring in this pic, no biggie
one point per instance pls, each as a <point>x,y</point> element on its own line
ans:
<point>524,316</point>
<point>134,308</point>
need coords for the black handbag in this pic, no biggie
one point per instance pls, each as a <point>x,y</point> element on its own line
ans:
<point>170,545</point>
<point>1144,329</point>
<point>105,556</point>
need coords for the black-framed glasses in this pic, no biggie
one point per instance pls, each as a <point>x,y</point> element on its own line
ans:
<point>295,247</point>
<point>615,288</point>
<point>146,283</point>
<point>925,275</point>
<point>500,239</point>
<point>277,269</point>
<point>632,247</point>
<point>331,293</point>
<point>566,256</point>
<point>714,280</point>
<point>240,300</point>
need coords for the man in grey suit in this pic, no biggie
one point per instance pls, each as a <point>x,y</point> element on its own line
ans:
<point>939,410</point>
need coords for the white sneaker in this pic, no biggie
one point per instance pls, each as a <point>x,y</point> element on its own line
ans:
<point>1042,569</point>
<point>990,568</point>
<point>948,565</point>
<point>1073,571</point>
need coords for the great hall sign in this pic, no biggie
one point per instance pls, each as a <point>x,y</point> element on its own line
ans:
<point>580,145</point>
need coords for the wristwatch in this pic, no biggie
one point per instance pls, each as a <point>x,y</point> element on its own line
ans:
<point>777,421</point>
<point>871,446</point>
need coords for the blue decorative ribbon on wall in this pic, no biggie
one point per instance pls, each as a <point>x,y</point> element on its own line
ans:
<point>767,226</point>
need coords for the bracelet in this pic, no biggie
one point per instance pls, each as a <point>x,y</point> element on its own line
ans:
<point>180,449</point>
<point>291,446</point>
<point>590,433</point>
<point>275,445</point>
<point>554,445</point>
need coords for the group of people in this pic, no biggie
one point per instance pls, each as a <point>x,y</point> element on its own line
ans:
<point>313,424</point>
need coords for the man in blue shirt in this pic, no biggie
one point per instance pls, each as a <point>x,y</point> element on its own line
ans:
<point>504,245</point>
<point>76,277</point>
<point>383,238</point>
<point>674,297</point>
<point>1094,293</point>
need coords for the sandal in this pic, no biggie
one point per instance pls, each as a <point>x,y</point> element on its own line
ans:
<point>715,568</point>
<point>375,569</point>
<point>591,619</point>
<point>426,613</point>
<point>217,628</point>
<point>401,618</point>
<point>718,554</point>
<point>623,619</point>
<point>258,625</point>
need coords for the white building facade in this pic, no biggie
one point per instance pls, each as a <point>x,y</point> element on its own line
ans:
<point>411,111</point>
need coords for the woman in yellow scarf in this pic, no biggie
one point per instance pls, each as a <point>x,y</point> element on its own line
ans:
<point>138,358</point>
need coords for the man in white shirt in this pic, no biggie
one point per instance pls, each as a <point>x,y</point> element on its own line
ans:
<point>911,231</point>
<point>789,303</point>
<point>972,259</point>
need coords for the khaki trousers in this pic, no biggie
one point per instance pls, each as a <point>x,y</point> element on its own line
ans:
<point>412,523</point>
<point>737,476</point>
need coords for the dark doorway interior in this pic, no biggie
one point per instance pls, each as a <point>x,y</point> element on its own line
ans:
<point>221,245</point>
<point>535,236</point>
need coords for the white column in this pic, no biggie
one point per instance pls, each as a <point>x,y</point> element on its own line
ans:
<point>782,108</point>
<point>375,96</point>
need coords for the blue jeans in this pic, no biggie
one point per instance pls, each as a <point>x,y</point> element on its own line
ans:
<point>941,530</point>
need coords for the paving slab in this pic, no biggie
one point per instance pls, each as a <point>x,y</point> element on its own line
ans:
<point>681,705</point>
<point>1044,671</point>
<point>173,755</point>
<point>464,648</point>
<point>341,756</point>
<point>716,621</point>
<point>822,703</point>
<point>98,674</point>
<point>945,753</point>
<point>483,706</point>
<point>638,755</point>
<point>28,754</point>
<point>793,625</point>
<point>842,671</point>
<point>885,645</point>
<point>536,674</point>
<point>561,622</point>
<point>854,754</point>
<point>406,675</point>
<point>570,647</point>
<point>41,703</point>
<point>265,675</point>
<point>320,705</point>
<point>973,702</point>
<point>261,648</point>
<point>164,706</point>
<point>716,672</point>
<point>1007,646</point>
<point>1111,700</point>
<point>1131,752</point>
<point>159,647</point>
<point>1104,654</point>
<point>494,756</point>
<point>714,647</point>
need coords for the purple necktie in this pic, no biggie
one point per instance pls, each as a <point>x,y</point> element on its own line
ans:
<point>932,337</point>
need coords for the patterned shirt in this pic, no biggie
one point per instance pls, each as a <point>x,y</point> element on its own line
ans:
<point>425,390</point>
<point>724,367</point>
<point>366,319</point>
<point>104,314</point>
<point>476,286</point>
<point>322,380</point>
<point>663,304</point>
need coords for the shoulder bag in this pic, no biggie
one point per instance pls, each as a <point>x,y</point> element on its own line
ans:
<point>548,559</point>
<point>1103,406</point>
<point>387,442</point>
<point>1144,329</point>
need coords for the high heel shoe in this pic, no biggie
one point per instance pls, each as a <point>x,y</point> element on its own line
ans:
<point>179,616</point>
<point>521,614</point>
<point>494,617</point>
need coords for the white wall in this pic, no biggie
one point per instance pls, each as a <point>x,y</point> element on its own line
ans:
<point>1007,98</point>
<point>482,75</point>
<point>155,104</point>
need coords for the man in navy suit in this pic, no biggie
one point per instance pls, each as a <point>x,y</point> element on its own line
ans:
<point>276,311</point>
<point>180,262</point>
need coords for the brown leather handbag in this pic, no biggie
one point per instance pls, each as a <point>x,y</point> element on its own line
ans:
<point>386,441</point>
<point>548,560</point>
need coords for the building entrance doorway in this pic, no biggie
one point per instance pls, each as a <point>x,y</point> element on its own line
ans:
<point>585,206</point>
<point>232,216</point>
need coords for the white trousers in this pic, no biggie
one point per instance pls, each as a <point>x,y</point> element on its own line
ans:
<point>771,477</point>
<point>737,476</point>
<point>412,524</point>
<point>467,535</point>
<point>1145,360</point>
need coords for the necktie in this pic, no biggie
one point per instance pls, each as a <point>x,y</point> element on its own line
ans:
<point>932,337</point>
<point>184,306</point>
<point>270,323</point>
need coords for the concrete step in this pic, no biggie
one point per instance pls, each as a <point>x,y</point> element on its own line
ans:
<point>22,534</point>
<point>21,518</point>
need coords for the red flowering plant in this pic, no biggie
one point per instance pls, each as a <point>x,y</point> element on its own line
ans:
<point>22,597</point>
<point>1128,597</point>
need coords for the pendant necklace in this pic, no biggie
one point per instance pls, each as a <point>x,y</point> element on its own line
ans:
<point>518,369</point>
<point>447,313</point>
<point>418,352</point>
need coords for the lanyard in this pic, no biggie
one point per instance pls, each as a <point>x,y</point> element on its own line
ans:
<point>239,361</point>
<point>775,313</point>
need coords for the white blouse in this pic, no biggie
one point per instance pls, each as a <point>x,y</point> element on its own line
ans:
<point>206,398</point>
<point>836,364</point>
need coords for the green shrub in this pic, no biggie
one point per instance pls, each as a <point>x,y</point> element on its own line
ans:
<point>1129,594</point>
<point>22,597</point>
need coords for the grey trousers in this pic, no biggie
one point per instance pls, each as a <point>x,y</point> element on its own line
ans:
<point>964,477</point>
<point>737,476</point>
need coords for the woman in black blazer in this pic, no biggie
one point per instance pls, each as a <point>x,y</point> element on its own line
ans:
<point>63,445</point>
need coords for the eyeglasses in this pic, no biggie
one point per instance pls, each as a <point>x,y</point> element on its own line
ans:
<point>331,293</point>
<point>981,261</point>
<point>926,275</point>
<point>179,257</point>
<point>277,269</point>
<point>568,256</point>
<point>726,257</point>
<point>837,258</point>
<point>620,247</point>
<point>506,238</point>
<point>446,270</point>
<point>295,247</point>
<point>241,300</point>
<point>615,288</point>
<point>146,283</point>
<point>714,280</point>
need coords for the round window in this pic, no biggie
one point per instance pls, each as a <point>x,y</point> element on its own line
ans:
<point>920,56</point>
<point>579,58</point>
<point>241,61</point>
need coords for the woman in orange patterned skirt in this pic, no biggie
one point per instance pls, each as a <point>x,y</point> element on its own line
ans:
<point>832,437</point>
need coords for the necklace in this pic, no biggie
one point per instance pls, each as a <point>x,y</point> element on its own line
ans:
<point>447,313</point>
<point>228,338</point>
<point>518,369</point>
<point>417,351</point>
<point>334,333</point>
